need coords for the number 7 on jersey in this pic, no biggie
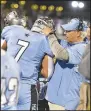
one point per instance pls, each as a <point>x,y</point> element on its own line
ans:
<point>24,45</point>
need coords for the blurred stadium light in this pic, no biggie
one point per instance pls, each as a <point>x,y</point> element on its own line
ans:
<point>51,8</point>
<point>58,9</point>
<point>81,5</point>
<point>34,7</point>
<point>3,1</point>
<point>22,2</point>
<point>14,5</point>
<point>43,7</point>
<point>74,4</point>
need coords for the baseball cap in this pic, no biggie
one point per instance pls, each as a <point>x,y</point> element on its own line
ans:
<point>73,25</point>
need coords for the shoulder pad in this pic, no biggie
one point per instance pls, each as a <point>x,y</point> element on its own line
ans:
<point>7,28</point>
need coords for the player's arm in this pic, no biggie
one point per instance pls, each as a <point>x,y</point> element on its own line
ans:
<point>47,66</point>
<point>6,33</point>
<point>3,44</point>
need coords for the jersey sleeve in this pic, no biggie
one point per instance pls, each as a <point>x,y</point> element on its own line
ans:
<point>75,53</point>
<point>6,33</point>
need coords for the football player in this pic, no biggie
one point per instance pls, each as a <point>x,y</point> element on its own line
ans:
<point>28,48</point>
<point>10,85</point>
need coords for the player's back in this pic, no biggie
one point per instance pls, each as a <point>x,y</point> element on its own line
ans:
<point>28,49</point>
<point>9,82</point>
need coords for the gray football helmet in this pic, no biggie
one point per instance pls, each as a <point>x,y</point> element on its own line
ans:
<point>41,23</point>
<point>13,19</point>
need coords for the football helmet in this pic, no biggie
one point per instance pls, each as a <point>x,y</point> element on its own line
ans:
<point>13,19</point>
<point>41,23</point>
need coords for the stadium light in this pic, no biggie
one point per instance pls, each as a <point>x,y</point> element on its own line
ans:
<point>34,7</point>
<point>51,8</point>
<point>74,4</point>
<point>81,5</point>
<point>3,2</point>
<point>43,7</point>
<point>14,5</point>
<point>22,2</point>
<point>58,9</point>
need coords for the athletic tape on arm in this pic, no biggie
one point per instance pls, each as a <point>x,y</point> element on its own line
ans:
<point>60,52</point>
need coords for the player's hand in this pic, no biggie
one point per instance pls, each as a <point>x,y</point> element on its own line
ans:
<point>47,30</point>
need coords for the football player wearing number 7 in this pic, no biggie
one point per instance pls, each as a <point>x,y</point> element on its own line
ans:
<point>28,48</point>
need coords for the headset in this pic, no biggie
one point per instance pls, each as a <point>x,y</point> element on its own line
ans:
<point>80,26</point>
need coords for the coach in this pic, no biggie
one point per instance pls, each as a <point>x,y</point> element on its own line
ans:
<point>63,87</point>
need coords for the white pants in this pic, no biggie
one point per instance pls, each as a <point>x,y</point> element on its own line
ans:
<point>55,107</point>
